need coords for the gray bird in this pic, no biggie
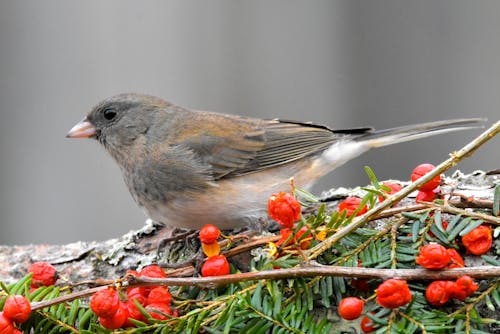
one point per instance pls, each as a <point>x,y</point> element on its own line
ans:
<point>187,168</point>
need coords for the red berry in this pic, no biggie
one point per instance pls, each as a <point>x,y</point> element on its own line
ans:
<point>393,293</point>
<point>159,295</point>
<point>215,266</point>
<point>456,259</point>
<point>6,325</point>
<point>395,187</point>
<point>154,271</point>
<point>367,325</point>
<point>425,196</point>
<point>438,292</point>
<point>133,313</point>
<point>44,274</point>
<point>139,293</point>
<point>105,303</point>
<point>360,284</point>
<point>209,234</point>
<point>159,311</point>
<point>117,320</point>
<point>433,256</point>
<point>420,171</point>
<point>463,288</point>
<point>304,238</point>
<point>284,209</point>
<point>350,308</point>
<point>351,204</point>
<point>17,308</point>
<point>285,233</point>
<point>479,240</point>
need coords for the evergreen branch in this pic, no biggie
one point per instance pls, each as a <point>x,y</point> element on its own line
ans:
<point>454,159</point>
<point>274,321</point>
<point>58,322</point>
<point>416,322</point>
<point>390,323</point>
<point>345,257</point>
<point>221,302</point>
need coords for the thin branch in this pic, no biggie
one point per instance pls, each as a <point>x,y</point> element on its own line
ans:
<point>253,243</point>
<point>471,201</point>
<point>398,209</point>
<point>310,270</point>
<point>457,211</point>
<point>416,322</point>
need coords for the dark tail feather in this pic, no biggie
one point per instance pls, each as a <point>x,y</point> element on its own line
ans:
<point>401,134</point>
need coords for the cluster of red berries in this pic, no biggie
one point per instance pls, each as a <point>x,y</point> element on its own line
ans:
<point>17,308</point>
<point>285,209</point>
<point>476,242</point>
<point>350,308</point>
<point>435,257</point>
<point>352,204</point>
<point>439,292</point>
<point>428,191</point>
<point>392,293</point>
<point>114,313</point>
<point>216,264</point>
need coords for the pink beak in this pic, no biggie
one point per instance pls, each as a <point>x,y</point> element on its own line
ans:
<point>84,129</point>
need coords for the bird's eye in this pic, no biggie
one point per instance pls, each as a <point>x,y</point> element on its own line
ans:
<point>109,113</point>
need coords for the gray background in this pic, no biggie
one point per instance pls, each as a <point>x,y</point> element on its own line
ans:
<point>341,63</point>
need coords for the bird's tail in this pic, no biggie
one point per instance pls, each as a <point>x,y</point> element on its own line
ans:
<point>401,134</point>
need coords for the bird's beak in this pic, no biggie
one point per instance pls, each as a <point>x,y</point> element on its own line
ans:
<point>84,129</point>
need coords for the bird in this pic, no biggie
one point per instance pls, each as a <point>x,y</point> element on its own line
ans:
<point>187,168</point>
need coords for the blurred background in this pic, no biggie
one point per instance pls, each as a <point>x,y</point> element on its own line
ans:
<point>341,63</point>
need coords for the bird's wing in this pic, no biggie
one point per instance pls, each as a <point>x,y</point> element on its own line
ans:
<point>235,146</point>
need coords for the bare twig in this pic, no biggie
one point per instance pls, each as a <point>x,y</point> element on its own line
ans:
<point>458,211</point>
<point>471,202</point>
<point>253,243</point>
